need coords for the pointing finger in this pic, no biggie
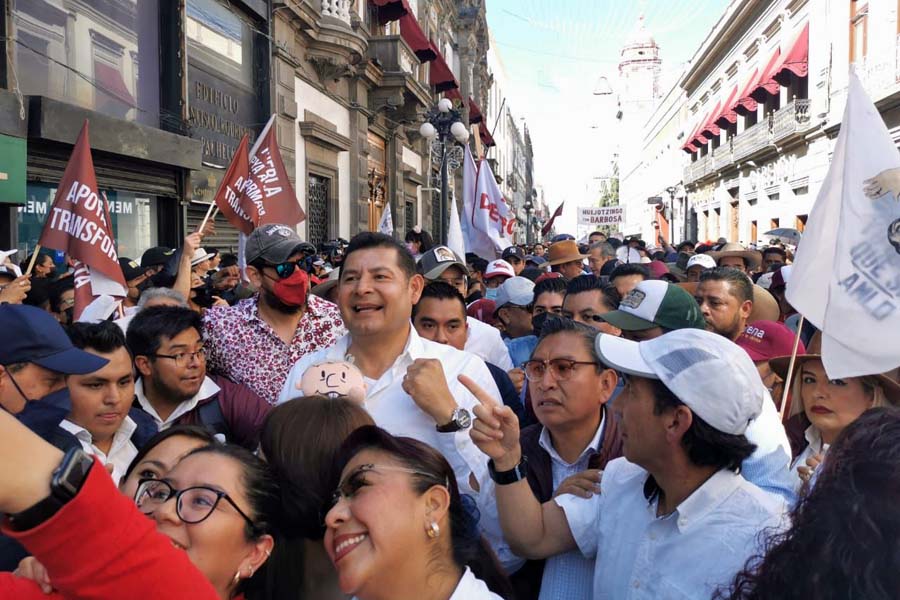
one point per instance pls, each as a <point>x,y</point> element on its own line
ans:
<point>476,390</point>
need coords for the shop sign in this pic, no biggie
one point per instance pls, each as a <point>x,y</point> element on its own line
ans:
<point>13,158</point>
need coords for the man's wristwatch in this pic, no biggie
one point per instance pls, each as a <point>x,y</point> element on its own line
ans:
<point>67,480</point>
<point>517,473</point>
<point>461,419</point>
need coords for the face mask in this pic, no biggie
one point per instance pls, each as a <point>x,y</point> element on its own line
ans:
<point>537,322</point>
<point>412,248</point>
<point>491,293</point>
<point>292,291</point>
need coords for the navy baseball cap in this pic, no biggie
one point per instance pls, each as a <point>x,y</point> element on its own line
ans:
<point>32,335</point>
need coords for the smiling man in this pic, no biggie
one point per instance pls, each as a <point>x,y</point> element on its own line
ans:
<point>412,388</point>
<point>174,388</point>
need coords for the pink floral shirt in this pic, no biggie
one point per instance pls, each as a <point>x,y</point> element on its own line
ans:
<point>244,348</point>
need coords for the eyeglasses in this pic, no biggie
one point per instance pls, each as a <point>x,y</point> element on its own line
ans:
<point>183,359</point>
<point>356,480</point>
<point>561,368</point>
<point>192,505</point>
<point>286,269</point>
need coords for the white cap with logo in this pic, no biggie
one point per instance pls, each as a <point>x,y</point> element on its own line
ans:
<point>714,377</point>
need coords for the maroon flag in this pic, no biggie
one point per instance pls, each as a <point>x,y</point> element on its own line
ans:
<point>549,224</point>
<point>230,198</point>
<point>268,188</point>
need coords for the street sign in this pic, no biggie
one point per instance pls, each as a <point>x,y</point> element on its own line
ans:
<point>655,200</point>
<point>604,215</point>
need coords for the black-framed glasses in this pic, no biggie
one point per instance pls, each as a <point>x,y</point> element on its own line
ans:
<point>192,505</point>
<point>561,368</point>
<point>183,359</point>
<point>286,269</point>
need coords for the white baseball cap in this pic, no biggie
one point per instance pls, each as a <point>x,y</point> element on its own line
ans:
<point>713,376</point>
<point>515,290</point>
<point>701,260</point>
<point>499,267</point>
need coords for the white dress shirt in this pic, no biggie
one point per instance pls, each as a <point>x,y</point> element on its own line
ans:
<point>769,466</point>
<point>485,342</point>
<point>686,554</point>
<point>394,410</point>
<point>121,452</point>
<point>814,445</point>
<point>472,588</point>
<point>207,389</point>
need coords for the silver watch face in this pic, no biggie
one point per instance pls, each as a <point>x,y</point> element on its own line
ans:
<point>462,418</point>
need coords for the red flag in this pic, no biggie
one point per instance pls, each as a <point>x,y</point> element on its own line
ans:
<point>230,198</point>
<point>79,223</point>
<point>549,224</point>
<point>268,188</point>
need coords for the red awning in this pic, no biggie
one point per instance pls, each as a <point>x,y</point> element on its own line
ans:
<point>453,94</point>
<point>744,104</point>
<point>795,60</point>
<point>727,116</point>
<point>689,145</point>
<point>109,79</point>
<point>390,10</point>
<point>440,75</point>
<point>486,138</point>
<point>766,86</point>
<point>711,130</point>
<point>696,139</point>
<point>474,112</point>
<point>413,35</point>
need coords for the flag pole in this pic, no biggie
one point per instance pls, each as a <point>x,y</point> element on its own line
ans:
<point>34,256</point>
<point>790,371</point>
<point>213,208</point>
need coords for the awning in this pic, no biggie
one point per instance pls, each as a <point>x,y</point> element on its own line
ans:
<point>110,81</point>
<point>795,60</point>
<point>711,130</point>
<point>744,104</point>
<point>413,35</point>
<point>486,138</point>
<point>766,86</point>
<point>689,145</point>
<point>727,116</point>
<point>390,10</point>
<point>453,94</point>
<point>474,112</point>
<point>440,75</point>
<point>696,139</point>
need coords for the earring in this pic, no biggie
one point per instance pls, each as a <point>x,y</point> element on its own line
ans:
<point>237,578</point>
<point>433,530</point>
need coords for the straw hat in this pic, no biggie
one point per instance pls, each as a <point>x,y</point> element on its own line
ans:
<point>563,252</point>
<point>889,381</point>
<point>752,258</point>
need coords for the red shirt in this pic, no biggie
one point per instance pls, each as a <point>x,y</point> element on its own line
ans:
<point>247,350</point>
<point>99,546</point>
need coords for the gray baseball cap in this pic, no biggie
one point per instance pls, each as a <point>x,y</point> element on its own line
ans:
<point>439,259</point>
<point>273,242</point>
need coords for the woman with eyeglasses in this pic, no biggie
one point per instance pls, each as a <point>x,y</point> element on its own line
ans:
<point>216,511</point>
<point>822,407</point>
<point>399,528</point>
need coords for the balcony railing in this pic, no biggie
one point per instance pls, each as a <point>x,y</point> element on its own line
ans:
<point>701,167</point>
<point>793,117</point>
<point>752,140</point>
<point>688,175</point>
<point>721,156</point>
<point>393,54</point>
<point>339,9</point>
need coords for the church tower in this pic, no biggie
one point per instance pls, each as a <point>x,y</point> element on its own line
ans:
<point>639,71</point>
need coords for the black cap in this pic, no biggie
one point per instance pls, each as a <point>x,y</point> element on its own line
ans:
<point>513,252</point>
<point>156,256</point>
<point>130,268</point>
<point>273,242</point>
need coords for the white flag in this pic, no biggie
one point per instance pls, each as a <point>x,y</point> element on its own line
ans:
<point>455,238</point>
<point>846,278</point>
<point>474,240</point>
<point>491,215</point>
<point>386,224</point>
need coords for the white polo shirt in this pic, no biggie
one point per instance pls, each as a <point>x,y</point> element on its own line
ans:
<point>686,554</point>
<point>394,410</point>
<point>121,452</point>
<point>485,342</point>
<point>207,389</point>
<point>472,588</point>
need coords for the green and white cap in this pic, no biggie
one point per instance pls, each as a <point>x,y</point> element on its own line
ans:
<point>656,303</point>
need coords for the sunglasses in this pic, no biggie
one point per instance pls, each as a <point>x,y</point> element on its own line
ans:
<point>285,269</point>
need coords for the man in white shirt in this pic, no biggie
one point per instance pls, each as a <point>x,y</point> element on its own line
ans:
<point>674,518</point>
<point>442,264</point>
<point>100,401</point>
<point>412,387</point>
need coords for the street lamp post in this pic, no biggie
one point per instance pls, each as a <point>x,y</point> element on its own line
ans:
<point>441,123</point>
<point>528,206</point>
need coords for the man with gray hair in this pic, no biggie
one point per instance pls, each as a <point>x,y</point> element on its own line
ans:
<point>599,254</point>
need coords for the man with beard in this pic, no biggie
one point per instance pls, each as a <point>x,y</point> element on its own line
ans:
<point>725,296</point>
<point>170,357</point>
<point>256,341</point>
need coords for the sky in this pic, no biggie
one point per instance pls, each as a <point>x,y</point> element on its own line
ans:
<point>554,53</point>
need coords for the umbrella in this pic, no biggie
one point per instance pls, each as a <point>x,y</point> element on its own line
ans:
<point>786,235</point>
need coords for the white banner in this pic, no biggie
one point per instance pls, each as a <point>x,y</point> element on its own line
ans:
<point>386,225</point>
<point>595,216</point>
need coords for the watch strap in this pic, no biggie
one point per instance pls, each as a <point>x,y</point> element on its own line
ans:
<point>65,484</point>
<point>517,473</point>
<point>459,420</point>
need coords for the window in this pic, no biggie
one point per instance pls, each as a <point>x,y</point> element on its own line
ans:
<point>221,39</point>
<point>774,224</point>
<point>754,232</point>
<point>318,210</point>
<point>87,54</point>
<point>859,30</point>
<point>800,224</point>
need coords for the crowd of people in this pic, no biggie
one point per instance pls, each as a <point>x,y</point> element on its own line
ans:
<point>380,419</point>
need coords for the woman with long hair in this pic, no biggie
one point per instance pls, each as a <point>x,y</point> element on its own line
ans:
<point>822,407</point>
<point>399,528</point>
<point>300,440</point>
<point>843,541</point>
<point>418,242</point>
